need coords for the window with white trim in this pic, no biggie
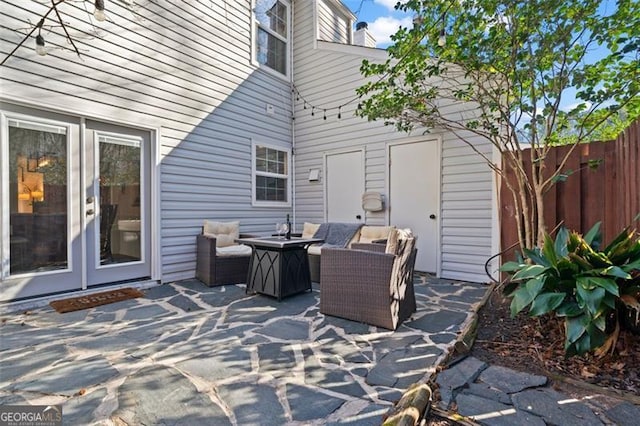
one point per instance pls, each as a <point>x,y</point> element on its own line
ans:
<point>271,175</point>
<point>271,36</point>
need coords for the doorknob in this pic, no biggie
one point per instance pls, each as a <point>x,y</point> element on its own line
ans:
<point>432,216</point>
<point>90,212</point>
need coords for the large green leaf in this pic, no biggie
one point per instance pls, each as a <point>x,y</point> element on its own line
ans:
<point>594,236</point>
<point>606,283</point>
<point>511,266</point>
<point>575,327</point>
<point>620,238</point>
<point>525,295</point>
<point>528,271</point>
<point>615,271</point>
<point>590,298</point>
<point>560,245</point>
<point>536,257</point>
<point>583,344</point>
<point>546,302</point>
<point>635,265</point>
<point>569,309</point>
<point>549,251</point>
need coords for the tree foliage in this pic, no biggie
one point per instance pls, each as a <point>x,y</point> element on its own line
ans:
<point>512,64</point>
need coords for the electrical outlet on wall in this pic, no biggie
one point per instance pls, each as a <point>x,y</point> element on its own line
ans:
<point>270,110</point>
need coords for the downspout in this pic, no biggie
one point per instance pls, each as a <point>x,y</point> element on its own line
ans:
<point>292,121</point>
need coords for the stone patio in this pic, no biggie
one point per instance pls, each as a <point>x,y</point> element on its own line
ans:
<point>189,354</point>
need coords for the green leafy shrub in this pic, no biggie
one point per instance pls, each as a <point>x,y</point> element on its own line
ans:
<point>571,277</point>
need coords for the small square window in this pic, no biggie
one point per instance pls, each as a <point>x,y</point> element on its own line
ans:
<point>271,175</point>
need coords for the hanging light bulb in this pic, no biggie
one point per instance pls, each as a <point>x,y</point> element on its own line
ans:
<point>40,49</point>
<point>442,40</point>
<point>99,12</point>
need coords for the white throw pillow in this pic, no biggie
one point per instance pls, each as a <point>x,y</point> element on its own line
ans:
<point>225,233</point>
<point>309,229</point>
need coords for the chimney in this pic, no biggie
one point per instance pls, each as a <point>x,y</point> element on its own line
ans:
<point>362,36</point>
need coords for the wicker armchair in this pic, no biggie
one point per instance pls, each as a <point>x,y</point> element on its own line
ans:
<point>368,286</point>
<point>214,269</point>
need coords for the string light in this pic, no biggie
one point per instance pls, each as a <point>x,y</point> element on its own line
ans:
<point>99,12</point>
<point>40,49</point>
<point>442,41</point>
<point>325,110</point>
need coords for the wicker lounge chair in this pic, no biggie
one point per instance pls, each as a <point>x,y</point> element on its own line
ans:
<point>220,264</point>
<point>368,286</point>
<point>366,234</point>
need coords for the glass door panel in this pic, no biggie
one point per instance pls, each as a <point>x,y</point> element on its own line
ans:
<point>119,168</point>
<point>40,227</point>
<point>38,176</point>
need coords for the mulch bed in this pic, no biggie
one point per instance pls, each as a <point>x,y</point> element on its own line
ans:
<point>537,346</point>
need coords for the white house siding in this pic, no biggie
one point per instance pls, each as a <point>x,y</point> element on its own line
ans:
<point>183,67</point>
<point>327,77</point>
<point>333,24</point>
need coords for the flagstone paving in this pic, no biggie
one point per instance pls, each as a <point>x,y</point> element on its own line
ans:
<point>189,354</point>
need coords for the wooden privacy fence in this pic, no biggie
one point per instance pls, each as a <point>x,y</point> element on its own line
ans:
<point>609,193</point>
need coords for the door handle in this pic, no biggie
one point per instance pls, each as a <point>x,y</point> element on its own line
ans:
<point>90,212</point>
<point>432,216</point>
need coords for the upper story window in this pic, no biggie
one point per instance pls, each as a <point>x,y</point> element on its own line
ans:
<point>271,37</point>
<point>271,177</point>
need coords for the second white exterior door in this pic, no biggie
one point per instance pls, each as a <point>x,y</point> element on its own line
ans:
<point>344,173</point>
<point>414,196</point>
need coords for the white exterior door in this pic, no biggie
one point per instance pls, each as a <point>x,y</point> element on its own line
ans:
<point>117,203</point>
<point>414,190</point>
<point>344,179</point>
<point>75,203</point>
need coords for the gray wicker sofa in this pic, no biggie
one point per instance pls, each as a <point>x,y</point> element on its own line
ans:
<point>369,286</point>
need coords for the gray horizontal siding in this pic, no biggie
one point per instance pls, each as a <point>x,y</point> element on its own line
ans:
<point>328,78</point>
<point>332,25</point>
<point>182,66</point>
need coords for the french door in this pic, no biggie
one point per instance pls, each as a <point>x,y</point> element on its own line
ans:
<point>75,196</point>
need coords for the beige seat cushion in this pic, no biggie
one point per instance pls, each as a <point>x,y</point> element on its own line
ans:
<point>314,249</point>
<point>225,233</point>
<point>233,250</point>
<point>369,234</point>
<point>309,229</point>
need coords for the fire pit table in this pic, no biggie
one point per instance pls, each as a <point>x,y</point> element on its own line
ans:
<point>278,267</point>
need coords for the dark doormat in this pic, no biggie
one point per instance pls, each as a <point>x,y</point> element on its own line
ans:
<point>92,300</point>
